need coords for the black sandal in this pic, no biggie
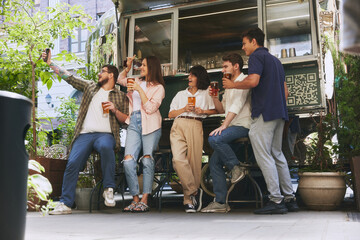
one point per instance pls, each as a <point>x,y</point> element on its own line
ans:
<point>141,207</point>
<point>131,207</point>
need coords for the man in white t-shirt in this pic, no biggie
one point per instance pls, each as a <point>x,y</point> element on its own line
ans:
<point>236,106</point>
<point>93,131</point>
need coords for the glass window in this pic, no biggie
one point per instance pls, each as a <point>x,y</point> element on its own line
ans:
<point>288,26</point>
<point>78,42</point>
<point>152,37</point>
<point>208,33</point>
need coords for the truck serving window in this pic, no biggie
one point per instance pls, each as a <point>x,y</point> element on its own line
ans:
<point>152,36</point>
<point>207,33</point>
<point>288,28</point>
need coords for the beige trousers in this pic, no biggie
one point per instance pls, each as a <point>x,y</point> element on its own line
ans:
<point>186,138</point>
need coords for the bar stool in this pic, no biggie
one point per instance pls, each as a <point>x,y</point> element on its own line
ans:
<point>120,184</point>
<point>246,166</point>
<point>165,170</point>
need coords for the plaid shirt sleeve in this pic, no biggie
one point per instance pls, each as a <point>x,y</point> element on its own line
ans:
<point>78,83</point>
<point>122,104</point>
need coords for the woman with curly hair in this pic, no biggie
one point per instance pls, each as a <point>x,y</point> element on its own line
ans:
<point>186,136</point>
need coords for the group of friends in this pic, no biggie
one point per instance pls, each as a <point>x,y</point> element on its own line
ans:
<point>254,105</point>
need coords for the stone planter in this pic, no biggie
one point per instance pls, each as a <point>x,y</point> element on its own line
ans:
<point>322,190</point>
<point>82,198</point>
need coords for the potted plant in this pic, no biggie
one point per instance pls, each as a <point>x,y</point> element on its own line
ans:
<point>322,183</point>
<point>84,186</point>
<point>38,187</point>
<point>50,155</point>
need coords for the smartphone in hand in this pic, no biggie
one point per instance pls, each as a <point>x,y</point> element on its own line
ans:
<point>47,54</point>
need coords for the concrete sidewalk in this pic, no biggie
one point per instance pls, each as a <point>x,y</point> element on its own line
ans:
<point>174,223</point>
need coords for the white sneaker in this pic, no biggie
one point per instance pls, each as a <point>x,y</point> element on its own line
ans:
<point>109,197</point>
<point>215,207</point>
<point>60,209</point>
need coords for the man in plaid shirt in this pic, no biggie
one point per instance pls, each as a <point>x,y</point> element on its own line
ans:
<point>94,131</point>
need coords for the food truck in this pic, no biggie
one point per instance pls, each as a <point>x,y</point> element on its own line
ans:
<point>184,33</point>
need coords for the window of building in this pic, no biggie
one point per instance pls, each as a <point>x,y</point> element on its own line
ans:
<point>78,42</point>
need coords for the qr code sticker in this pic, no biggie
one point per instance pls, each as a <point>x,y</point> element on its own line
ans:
<point>303,89</point>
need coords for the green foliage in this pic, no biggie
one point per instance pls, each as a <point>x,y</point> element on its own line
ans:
<point>67,114</point>
<point>16,81</point>
<point>38,186</point>
<point>347,91</point>
<point>42,136</point>
<point>26,33</point>
<point>85,181</point>
<point>102,52</point>
<point>321,152</point>
<point>348,94</point>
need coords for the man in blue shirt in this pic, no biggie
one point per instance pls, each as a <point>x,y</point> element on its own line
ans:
<point>266,78</point>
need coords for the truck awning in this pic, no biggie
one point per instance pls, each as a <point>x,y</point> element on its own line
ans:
<point>126,6</point>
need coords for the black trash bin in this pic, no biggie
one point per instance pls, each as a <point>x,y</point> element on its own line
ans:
<point>15,119</point>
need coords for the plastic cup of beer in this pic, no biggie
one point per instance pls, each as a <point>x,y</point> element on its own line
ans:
<point>227,75</point>
<point>191,101</point>
<point>130,80</point>
<point>105,111</point>
<point>214,88</point>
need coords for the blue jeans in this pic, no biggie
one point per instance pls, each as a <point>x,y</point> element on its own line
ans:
<point>135,141</point>
<point>224,155</point>
<point>104,144</point>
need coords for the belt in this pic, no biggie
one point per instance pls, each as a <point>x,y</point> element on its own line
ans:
<point>195,118</point>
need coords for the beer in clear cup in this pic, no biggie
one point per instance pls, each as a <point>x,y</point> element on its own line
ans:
<point>130,80</point>
<point>105,111</point>
<point>192,101</point>
<point>227,75</point>
<point>214,88</point>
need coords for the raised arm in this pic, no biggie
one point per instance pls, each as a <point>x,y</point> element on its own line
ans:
<point>122,76</point>
<point>76,82</point>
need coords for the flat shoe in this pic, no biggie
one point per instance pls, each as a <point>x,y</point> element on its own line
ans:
<point>131,207</point>
<point>141,207</point>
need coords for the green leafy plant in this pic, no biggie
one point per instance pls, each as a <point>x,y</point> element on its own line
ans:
<point>321,151</point>
<point>348,93</point>
<point>85,181</point>
<point>42,140</point>
<point>26,33</point>
<point>38,186</point>
<point>67,110</point>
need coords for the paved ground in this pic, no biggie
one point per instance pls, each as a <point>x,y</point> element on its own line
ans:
<point>174,223</point>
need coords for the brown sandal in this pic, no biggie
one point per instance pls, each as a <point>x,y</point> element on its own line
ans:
<point>141,207</point>
<point>131,207</point>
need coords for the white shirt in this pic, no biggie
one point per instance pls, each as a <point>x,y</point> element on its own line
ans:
<point>94,120</point>
<point>238,101</point>
<point>202,100</point>
<point>136,97</point>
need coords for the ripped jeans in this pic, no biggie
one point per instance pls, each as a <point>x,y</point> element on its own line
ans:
<point>135,141</point>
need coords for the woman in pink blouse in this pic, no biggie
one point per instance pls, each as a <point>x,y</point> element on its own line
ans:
<point>145,96</point>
